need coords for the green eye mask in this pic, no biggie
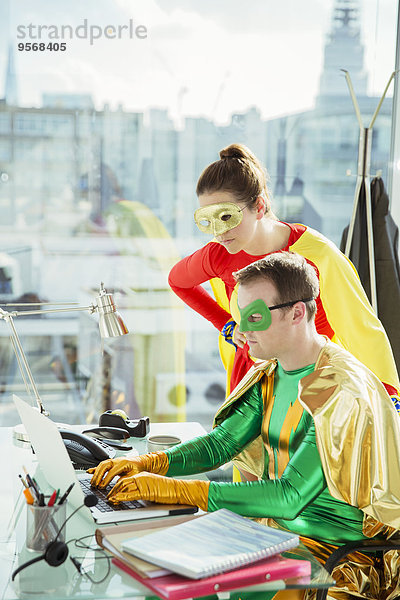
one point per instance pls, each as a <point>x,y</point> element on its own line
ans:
<point>217,219</point>
<point>256,316</point>
<point>259,311</point>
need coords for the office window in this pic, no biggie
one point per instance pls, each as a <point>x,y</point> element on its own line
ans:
<point>99,160</point>
<point>5,150</point>
<point>4,122</point>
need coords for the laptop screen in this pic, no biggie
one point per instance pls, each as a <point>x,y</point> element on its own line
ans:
<point>50,451</point>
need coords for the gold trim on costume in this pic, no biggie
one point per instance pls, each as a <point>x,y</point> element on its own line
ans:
<point>267,388</point>
<point>290,424</point>
<point>358,433</point>
<point>252,459</point>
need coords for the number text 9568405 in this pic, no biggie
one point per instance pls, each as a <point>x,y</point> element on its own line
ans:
<point>42,46</point>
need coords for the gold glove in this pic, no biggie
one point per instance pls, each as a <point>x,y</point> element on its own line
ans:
<point>164,490</point>
<point>155,462</point>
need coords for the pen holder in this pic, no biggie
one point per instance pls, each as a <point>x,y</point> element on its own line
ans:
<point>43,524</point>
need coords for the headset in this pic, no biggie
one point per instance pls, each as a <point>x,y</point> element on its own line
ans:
<point>56,552</point>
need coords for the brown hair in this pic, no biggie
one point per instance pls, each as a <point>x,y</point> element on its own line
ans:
<point>238,171</point>
<point>290,273</point>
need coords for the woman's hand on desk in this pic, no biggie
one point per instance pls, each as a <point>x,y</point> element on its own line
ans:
<point>154,462</point>
<point>164,490</point>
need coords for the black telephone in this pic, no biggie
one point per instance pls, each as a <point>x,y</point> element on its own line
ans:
<point>84,451</point>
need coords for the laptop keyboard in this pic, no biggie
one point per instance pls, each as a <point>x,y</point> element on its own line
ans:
<point>101,494</point>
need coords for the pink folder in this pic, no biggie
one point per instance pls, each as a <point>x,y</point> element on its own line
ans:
<point>177,587</point>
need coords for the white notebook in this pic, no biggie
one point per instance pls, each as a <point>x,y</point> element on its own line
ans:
<point>212,544</point>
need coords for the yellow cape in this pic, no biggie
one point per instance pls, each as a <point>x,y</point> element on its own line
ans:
<point>349,313</point>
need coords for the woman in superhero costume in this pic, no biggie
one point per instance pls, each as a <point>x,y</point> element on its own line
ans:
<point>235,209</point>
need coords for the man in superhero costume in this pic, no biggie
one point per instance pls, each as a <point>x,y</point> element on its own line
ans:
<point>314,427</point>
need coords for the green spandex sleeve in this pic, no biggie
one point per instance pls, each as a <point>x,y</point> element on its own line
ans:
<point>302,480</point>
<point>223,443</point>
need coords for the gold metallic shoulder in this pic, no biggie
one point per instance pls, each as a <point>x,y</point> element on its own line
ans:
<point>255,373</point>
<point>358,434</point>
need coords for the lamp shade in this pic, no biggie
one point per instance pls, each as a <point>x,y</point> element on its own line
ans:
<point>111,323</point>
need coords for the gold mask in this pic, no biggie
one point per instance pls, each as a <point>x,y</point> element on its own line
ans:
<point>217,219</point>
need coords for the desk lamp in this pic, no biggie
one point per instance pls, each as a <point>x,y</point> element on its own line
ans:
<point>111,324</point>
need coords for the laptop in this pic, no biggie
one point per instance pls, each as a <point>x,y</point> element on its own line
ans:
<point>59,473</point>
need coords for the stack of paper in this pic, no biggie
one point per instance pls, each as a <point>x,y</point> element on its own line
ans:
<point>111,539</point>
<point>220,541</point>
<point>214,543</point>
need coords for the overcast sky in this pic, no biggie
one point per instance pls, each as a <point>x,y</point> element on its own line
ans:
<point>201,57</point>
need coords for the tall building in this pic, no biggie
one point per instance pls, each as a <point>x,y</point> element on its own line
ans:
<point>45,153</point>
<point>320,146</point>
<point>343,47</point>
<point>11,87</point>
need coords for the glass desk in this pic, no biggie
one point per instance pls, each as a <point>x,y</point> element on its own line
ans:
<point>65,582</point>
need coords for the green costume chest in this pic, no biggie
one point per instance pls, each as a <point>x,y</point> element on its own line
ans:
<point>285,422</point>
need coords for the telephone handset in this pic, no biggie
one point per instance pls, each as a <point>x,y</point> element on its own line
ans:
<point>84,451</point>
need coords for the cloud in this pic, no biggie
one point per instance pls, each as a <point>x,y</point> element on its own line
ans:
<point>225,54</point>
<point>257,16</point>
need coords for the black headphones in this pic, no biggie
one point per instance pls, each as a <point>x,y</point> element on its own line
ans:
<point>56,552</point>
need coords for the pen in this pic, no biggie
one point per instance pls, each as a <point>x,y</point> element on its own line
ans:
<point>32,485</point>
<point>29,480</point>
<point>34,493</point>
<point>52,498</point>
<point>27,492</point>
<point>35,483</point>
<point>23,481</point>
<point>28,495</point>
<point>64,496</point>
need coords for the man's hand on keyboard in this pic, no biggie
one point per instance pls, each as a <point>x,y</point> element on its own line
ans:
<point>164,490</point>
<point>155,462</point>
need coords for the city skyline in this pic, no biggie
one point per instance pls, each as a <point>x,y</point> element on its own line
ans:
<point>199,59</point>
<point>81,184</point>
<point>145,156</point>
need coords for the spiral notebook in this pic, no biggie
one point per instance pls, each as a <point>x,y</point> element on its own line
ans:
<point>212,544</point>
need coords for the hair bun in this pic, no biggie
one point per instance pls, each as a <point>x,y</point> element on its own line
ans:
<point>233,151</point>
<point>244,176</point>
